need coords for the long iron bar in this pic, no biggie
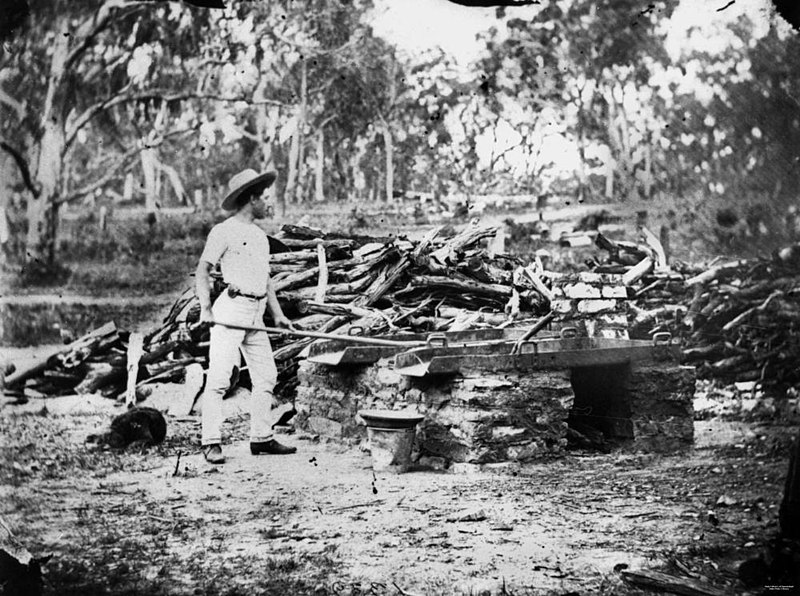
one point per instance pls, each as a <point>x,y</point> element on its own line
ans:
<point>374,341</point>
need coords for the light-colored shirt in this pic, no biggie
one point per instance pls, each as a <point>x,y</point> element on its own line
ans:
<point>242,249</point>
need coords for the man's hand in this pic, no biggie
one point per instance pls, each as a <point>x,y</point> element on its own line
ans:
<point>206,316</point>
<point>283,322</point>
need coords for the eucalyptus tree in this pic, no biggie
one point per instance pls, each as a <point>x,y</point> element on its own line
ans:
<point>739,126</point>
<point>572,65</point>
<point>326,76</point>
<point>68,74</point>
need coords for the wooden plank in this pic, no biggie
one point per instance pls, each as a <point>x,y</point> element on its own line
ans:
<point>82,342</point>
<point>192,386</point>
<point>636,272</point>
<point>322,280</point>
<point>135,353</point>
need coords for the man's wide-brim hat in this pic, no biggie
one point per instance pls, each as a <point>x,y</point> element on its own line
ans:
<point>246,182</point>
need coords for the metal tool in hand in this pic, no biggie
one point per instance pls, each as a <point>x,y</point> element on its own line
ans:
<point>540,324</point>
<point>374,341</point>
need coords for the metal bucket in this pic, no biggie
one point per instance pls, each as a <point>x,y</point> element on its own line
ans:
<point>391,448</point>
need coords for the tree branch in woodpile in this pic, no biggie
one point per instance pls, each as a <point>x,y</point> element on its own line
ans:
<point>311,306</point>
<point>98,376</point>
<point>295,280</point>
<point>312,244</point>
<point>385,280</point>
<point>623,253</point>
<point>738,320</point>
<point>425,244</point>
<point>538,284</point>
<point>445,255</point>
<point>301,232</point>
<point>638,271</point>
<point>82,343</point>
<point>322,279</point>
<point>718,272</point>
<point>300,257</point>
<point>466,286</point>
<point>661,264</point>
<point>707,352</point>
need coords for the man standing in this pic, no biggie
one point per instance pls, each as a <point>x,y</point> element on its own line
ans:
<point>242,250</point>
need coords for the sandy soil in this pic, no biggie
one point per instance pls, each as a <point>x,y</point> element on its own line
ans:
<point>322,522</point>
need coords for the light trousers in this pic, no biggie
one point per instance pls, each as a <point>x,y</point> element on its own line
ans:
<point>224,355</point>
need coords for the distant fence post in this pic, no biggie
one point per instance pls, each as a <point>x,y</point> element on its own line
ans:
<point>497,245</point>
<point>127,192</point>
<point>102,218</point>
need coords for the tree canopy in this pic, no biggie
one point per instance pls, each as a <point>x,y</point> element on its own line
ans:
<point>161,102</point>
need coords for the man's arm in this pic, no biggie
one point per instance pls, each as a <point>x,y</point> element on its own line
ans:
<point>275,310</point>
<point>202,287</point>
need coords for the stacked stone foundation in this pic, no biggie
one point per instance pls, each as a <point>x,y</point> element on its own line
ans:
<point>329,398</point>
<point>481,417</point>
<point>662,411</point>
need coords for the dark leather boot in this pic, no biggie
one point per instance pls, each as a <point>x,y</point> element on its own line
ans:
<point>213,454</point>
<point>272,446</point>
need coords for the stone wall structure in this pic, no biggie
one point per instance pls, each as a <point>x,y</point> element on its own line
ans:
<point>486,417</point>
<point>662,411</point>
<point>499,413</point>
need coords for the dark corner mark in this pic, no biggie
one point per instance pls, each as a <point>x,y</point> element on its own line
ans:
<point>206,3</point>
<point>490,3</point>
<point>789,10</point>
<point>199,3</point>
<point>12,15</point>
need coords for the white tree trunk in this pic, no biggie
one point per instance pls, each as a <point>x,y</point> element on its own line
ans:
<point>647,181</point>
<point>266,129</point>
<point>291,176</point>
<point>127,191</point>
<point>610,169</point>
<point>388,140</point>
<point>293,189</point>
<point>319,188</point>
<point>389,148</point>
<point>46,163</point>
<point>7,176</point>
<point>301,124</point>
<point>149,169</point>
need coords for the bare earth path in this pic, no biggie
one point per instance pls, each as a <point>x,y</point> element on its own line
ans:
<point>321,522</point>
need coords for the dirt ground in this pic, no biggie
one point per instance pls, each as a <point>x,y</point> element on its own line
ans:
<point>322,522</point>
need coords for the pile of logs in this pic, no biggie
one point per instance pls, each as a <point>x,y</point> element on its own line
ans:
<point>325,283</point>
<point>737,321</point>
<point>743,320</point>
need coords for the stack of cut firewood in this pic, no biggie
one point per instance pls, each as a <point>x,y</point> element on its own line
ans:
<point>325,283</point>
<point>738,321</point>
<point>743,319</point>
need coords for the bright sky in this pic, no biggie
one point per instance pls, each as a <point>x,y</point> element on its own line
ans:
<point>419,25</point>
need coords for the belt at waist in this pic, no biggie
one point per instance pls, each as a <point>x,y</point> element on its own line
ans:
<point>236,292</point>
